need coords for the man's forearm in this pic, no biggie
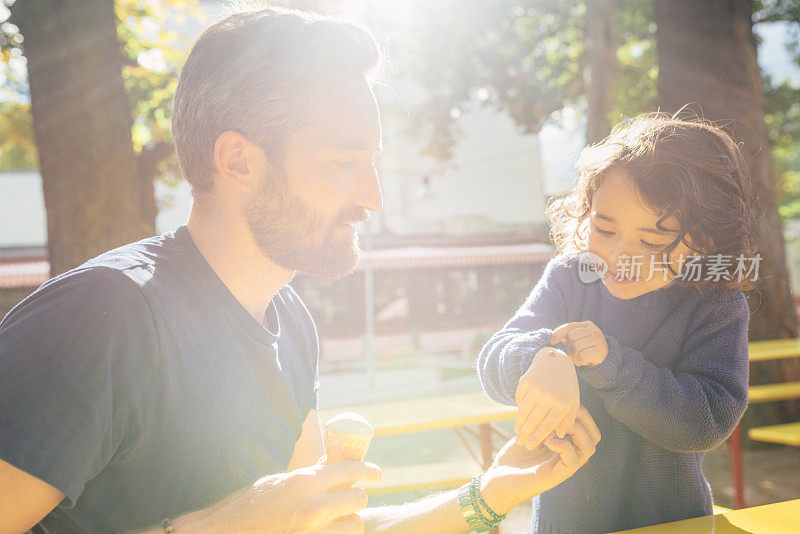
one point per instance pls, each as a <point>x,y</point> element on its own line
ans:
<point>437,514</point>
<point>198,521</point>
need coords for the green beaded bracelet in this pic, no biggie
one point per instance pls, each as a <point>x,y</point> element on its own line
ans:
<point>473,506</point>
<point>469,509</point>
<point>496,518</point>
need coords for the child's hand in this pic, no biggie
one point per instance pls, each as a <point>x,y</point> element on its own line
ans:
<point>586,344</point>
<point>518,474</point>
<point>548,398</point>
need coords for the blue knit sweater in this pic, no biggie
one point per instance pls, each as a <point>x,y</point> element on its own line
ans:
<point>673,386</point>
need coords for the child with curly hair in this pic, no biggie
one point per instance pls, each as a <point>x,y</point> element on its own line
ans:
<point>656,246</point>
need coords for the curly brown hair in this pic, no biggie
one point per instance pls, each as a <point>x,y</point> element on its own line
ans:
<point>690,169</point>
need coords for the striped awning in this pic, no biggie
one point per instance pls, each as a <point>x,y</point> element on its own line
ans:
<point>462,256</point>
<point>20,274</point>
<point>33,273</point>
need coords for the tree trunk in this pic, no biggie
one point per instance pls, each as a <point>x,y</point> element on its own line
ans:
<point>601,67</point>
<point>707,58</point>
<point>95,194</point>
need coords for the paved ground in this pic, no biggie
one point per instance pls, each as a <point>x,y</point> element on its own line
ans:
<point>771,474</point>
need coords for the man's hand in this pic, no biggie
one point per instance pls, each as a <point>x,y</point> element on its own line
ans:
<point>300,501</point>
<point>585,342</point>
<point>548,398</point>
<point>518,474</point>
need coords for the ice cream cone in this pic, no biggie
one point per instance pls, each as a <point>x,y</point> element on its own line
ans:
<point>347,437</point>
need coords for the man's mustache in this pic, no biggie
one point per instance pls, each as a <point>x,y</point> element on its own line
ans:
<point>353,215</point>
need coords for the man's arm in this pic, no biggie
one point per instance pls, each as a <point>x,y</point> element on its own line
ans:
<point>309,447</point>
<point>436,514</point>
<point>516,475</point>
<point>24,499</point>
<point>301,502</point>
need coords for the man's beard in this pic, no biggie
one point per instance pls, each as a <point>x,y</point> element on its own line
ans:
<point>292,234</point>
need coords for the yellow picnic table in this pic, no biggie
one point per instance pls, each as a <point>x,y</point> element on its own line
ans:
<point>434,413</point>
<point>431,413</point>
<point>760,351</point>
<point>778,518</point>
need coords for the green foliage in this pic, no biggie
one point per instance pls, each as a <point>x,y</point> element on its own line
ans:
<point>776,10</point>
<point>782,110</point>
<point>524,58</point>
<point>782,103</point>
<point>152,53</point>
<point>17,149</point>
<point>635,90</point>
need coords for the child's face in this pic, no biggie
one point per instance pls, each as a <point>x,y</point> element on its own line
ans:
<point>623,232</point>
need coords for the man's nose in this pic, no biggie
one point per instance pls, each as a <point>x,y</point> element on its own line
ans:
<point>369,194</point>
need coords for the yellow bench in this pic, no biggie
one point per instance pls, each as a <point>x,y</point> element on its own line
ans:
<point>775,392</point>
<point>787,434</point>
<point>759,351</point>
<point>774,349</point>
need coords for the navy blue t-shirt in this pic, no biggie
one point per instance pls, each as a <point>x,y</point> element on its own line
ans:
<point>140,387</point>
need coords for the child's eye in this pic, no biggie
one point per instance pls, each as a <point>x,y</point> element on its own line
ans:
<point>607,233</point>
<point>652,246</point>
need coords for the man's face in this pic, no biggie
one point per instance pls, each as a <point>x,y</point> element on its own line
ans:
<point>623,232</point>
<point>304,213</point>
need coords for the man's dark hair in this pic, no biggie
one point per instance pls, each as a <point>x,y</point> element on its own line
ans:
<point>256,72</point>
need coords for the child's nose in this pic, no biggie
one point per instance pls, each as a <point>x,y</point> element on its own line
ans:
<point>614,254</point>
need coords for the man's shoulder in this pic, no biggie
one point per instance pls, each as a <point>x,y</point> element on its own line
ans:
<point>138,260</point>
<point>289,297</point>
<point>299,322</point>
<point>85,294</point>
<point>104,287</point>
<point>290,303</point>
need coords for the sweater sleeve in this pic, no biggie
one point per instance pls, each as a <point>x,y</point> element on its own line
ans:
<point>509,352</point>
<point>697,404</point>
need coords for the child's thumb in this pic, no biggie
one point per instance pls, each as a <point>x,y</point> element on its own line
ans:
<point>563,427</point>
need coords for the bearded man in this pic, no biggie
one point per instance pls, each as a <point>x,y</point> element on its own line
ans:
<point>176,377</point>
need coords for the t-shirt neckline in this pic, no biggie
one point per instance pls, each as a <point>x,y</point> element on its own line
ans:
<point>258,329</point>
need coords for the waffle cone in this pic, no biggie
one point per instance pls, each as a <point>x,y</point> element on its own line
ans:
<point>347,437</point>
<point>342,447</point>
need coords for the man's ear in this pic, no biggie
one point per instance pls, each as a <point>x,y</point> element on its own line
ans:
<point>238,162</point>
